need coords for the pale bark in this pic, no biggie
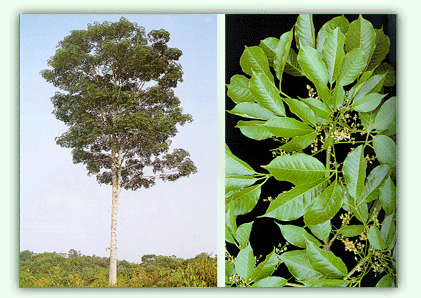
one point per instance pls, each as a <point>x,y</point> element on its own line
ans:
<point>113,243</point>
<point>116,189</point>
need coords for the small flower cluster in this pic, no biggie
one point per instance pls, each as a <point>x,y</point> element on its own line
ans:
<point>280,249</point>
<point>379,260</point>
<point>311,92</point>
<point>369,159</point>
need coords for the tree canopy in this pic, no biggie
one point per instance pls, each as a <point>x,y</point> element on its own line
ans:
<point>117,100</point>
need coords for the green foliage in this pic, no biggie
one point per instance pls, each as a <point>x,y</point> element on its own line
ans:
<point>348,108</point>
<point>77,270</point>
<point>118,127</point>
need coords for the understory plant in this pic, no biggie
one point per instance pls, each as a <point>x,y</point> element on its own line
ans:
<point>332,173</point>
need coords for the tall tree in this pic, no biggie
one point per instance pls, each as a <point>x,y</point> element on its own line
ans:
<point>119,105</point>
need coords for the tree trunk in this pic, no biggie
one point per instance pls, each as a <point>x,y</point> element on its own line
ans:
<point>113,244</point>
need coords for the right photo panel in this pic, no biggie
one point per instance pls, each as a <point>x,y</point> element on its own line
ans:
<point>311,163</point>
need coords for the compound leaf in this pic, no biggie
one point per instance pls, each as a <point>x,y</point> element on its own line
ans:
<point>242,234</point>
<point>325,262</point>
<point>354,171</point>
<point>235,166</point>
<point>251,110</point>
<point>254,129</point>
<point>361,34</point>
<point>286,127</point>
<point>386,115</point>
<point>315,70</point>
<point>266,94</point>
<point>385,149</point>
<point>299,265</point>
<point>238,89</point>
<point>297,235</point>
<point>254,59</point>
<point>245,263</point>
<point>333,53</point>
<point>266,267</point>
<point>304,31</point>
<point>298,168</point>
<point>325,206</point>
<point>353,65</point>
<point>270,282</point>
<point>292,204</point>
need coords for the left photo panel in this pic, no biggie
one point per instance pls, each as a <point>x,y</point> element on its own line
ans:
<point>118,150</point>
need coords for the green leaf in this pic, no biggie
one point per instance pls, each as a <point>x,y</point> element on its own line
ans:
<point>352,230</point>
<point>228,235</point>
<point>293,204</point>
<point>325,206</point>
<point>354,171</point>
<point>270,282</point>
<point>235,166</point>
<point>333,53</point>
<point>298,168</point>
<point>323,283</point>
<point>387,196</point>
<point>238,89</point>
<point>304,31</point>
<point>266,94</point>
<point>266,267</point>
<point>292,66</point>
<point>320,109</point>
<point>361,35</point>
<point>315,70</point>
<point>299,265</point>
<point>386,115</point>
<point>353,65</point>
<point>245,263</point>
<point>268,46</point>
<point>229,269</point>
<point>325,262</point>
<point>340,21</point>
<point>322,230</point>
<point>237,182</point>
<point>338,97</point>
<point>251,110</point>
<point>382,45</point>
<point>385,149</point>
<point>302,110</point>
<point>385,68</point>
<point>243,201</point>
<point>297,235</point>
<point>360,209</point>
<point>254,130</point>
<point>368,119</point>
<point>282,53</point>
<point>388,231</point>
<point>357,86</point>
<point>254,59</point>
<point>372,85</point>
<point>286,127</point>
<point>299,142</point>
<point>374,180</point>
<point>230,221</point>
<point>242,234</point>
<point>368,103</point>
<point>386,282</point>
<point>375,238</point>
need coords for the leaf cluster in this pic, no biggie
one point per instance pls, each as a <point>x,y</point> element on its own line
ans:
<point>347,104</point>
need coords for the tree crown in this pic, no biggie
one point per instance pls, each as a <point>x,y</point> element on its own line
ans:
<point>118,102</point>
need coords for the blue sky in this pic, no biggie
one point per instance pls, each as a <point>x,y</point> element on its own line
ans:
<point>61,208</point>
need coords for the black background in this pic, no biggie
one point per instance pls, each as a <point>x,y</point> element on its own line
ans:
<point>248,30</point>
